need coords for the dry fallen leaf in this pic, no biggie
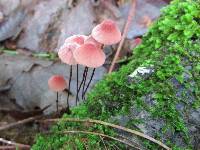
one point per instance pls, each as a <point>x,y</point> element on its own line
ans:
<point>10,45</point>
<point>1,17</point>
<point>146,21</point>
<point>120,2</point>
<point>24,52</point>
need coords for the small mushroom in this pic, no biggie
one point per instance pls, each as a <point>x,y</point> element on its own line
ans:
<point>89,55</point>
<point>90,39</point>
<point>57,83</point>
<point>135,42</point>
<point>107,32</point>
<point>79,39</point>
<point>65,53</point>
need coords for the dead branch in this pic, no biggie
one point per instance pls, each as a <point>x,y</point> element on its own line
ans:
<point>113,9</point>
<point>128,23</point>
<point>103,143</point>
<point>20,115</point>
<point>4,88</point>
<point>95,133</point>
<point>7,148</point>
<point>13,145</point>
<point>18,123</point>
<point>113,126</point>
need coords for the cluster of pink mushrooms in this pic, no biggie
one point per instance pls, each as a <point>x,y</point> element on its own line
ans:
<point>87,51</point>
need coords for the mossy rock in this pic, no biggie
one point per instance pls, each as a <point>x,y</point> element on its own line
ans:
<point>158,92</point>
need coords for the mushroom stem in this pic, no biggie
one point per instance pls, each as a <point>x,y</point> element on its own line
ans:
<point>82,80</point>
<point>85,78</point>
<point>77,98</point>
<point>57,102</point>
<point>93,71</point>
<point>70,78</point>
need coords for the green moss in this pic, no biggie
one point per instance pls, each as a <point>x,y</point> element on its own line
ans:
<point>171,44</point>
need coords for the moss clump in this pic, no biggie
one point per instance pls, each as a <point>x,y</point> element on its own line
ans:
<point>170,46</point>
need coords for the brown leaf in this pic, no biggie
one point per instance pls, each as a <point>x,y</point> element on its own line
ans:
<point>10,45</point>
<point>146,21</point>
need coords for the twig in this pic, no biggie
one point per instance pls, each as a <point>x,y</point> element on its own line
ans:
<point>113,126</point>
<point>18,123</point>
<point>128,22</point>
<point>5,88</point>
<point>103,143</point>
<point>120,61</point>
<point>113,9</point>
<point>14,145</point>
<point>94,133</point>
<point>7,148</point>
<point>127,139</point>
<point>20,115</point>
<point>117,148</point>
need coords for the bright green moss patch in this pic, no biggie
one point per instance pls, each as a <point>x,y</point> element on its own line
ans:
<point>172,47</point>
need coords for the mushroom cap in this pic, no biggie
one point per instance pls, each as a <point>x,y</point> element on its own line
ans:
<point>57,83</point>
<point>138,41</point>
<point>65,53</point>
<point>89,55</point>
<point>91,40</point>
<point>79,39</point>
<point>107,33</point>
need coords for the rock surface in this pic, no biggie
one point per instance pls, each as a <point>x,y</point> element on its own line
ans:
<point>151,126</point>
<point>28,78</point>
<point>43,25</point>
<point>146,10</point>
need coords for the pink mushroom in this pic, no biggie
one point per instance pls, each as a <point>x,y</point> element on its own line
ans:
<point>57,83</point>
<point>65,53</point>
<point>90,39</point>
<point>107,33</point>
<point>138,41</point>
<point>135,43</point>
<point>89,55</point>
<point>79,39</point>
